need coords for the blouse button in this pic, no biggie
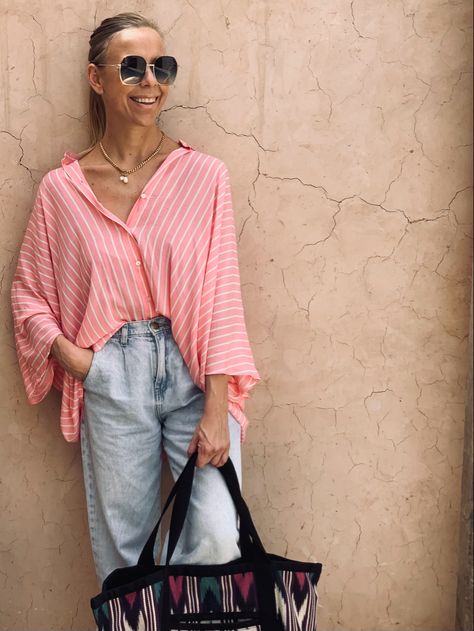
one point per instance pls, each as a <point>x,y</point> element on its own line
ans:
<point>143,195</point>
<point>138,262</point>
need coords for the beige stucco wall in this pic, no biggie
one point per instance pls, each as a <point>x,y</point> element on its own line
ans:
<point>346,128</point>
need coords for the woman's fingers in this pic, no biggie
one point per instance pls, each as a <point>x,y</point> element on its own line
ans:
<point>208,455</point>
<point>212,442</point>
<point>194,444</point>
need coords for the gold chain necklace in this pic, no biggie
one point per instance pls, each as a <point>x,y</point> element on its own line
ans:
<point>125,172</point>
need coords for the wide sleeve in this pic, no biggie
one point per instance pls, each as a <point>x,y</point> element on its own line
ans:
<point>35,306</point>
<point>228,347</point>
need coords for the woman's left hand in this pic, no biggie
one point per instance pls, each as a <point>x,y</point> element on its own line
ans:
<point>212,440</point>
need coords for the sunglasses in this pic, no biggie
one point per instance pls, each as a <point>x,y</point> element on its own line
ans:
<point>132,69</point>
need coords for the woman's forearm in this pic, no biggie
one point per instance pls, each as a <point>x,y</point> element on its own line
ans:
<point>62,349</point>
<point>216,395</point>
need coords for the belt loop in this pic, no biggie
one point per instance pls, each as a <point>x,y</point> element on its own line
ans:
<point>124,335</point>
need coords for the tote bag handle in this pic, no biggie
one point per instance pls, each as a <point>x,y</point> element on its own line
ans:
<point>252,548</point>
<point>249,538</point>
<point>251,544</point>
<point>146,558</point>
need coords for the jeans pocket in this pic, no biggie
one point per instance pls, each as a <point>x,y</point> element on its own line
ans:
<point>91,370</point>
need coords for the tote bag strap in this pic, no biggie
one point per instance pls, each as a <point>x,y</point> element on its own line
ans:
<point>252,546</point>
<point>248,535</point>
<point>146,558</point>
<point>253,550</point>
<point>232,481</point>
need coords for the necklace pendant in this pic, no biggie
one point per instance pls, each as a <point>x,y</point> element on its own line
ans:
<point>124,179</point>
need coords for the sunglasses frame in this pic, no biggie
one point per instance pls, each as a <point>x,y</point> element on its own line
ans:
<point>152,66</point>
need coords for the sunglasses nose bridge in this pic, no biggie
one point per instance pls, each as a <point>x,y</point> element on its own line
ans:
<point>149,68</point>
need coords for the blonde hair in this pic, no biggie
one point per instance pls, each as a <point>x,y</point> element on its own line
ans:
<point>98,44</point>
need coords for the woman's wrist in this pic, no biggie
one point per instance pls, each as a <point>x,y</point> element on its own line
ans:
<point>72,358</point>
<point>63,350</point>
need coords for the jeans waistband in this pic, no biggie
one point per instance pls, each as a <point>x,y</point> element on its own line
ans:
<point>143,327</point>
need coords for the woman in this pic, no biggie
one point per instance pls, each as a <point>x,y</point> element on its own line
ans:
<point>127,298</point>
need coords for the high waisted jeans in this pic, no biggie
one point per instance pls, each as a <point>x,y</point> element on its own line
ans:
<point>139,398</point>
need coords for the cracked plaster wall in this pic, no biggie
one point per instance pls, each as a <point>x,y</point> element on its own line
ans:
<point>346,128</point>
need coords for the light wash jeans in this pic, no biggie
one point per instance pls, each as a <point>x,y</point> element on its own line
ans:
<point>139,398</point>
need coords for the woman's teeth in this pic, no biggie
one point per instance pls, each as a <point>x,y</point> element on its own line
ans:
<point>146,101</point>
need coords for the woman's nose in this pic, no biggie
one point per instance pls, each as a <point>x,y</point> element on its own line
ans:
<point>149,79</point>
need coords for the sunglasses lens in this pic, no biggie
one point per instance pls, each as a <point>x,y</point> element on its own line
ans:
<point>132,69</point>
<point>166,69</point>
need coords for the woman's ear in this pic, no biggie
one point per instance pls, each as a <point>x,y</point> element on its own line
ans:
<point>94,79</point>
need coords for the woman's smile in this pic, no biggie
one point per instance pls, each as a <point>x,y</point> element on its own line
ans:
<point>144,102</point>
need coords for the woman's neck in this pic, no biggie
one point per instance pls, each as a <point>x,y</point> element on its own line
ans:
<point>132,145</point>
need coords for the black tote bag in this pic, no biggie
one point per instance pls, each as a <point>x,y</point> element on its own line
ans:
<point>257,592</point>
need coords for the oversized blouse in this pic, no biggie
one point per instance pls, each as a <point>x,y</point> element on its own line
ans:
<point>83,272</point>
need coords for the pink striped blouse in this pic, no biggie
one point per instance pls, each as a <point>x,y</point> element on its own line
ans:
<point>83,272</point>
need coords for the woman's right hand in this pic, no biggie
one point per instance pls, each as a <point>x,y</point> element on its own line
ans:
<point>74,359</point>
